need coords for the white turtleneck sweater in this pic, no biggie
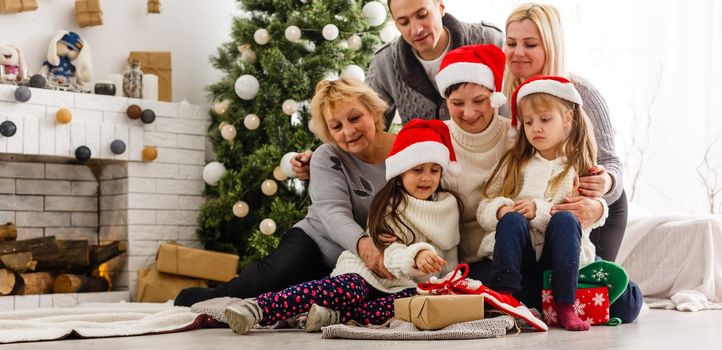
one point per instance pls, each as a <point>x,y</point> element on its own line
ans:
<point>478,155</point>
<point>435,224</point>
<point>537,178</point>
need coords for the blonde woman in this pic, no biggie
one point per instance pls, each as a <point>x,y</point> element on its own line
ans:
<point>534,45</point>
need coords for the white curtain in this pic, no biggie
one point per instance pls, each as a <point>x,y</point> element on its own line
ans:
<point>657,63</point>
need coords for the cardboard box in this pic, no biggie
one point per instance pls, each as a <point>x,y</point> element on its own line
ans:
<point>431,312</point>
<point>153,6</point>
<point>157,287</point>
<point>15,6</point>
<point>158,63</point>
<point>180,260</point>
<point>88,13</point>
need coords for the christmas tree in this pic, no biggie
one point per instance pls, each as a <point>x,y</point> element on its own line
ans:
<point>280,50</point>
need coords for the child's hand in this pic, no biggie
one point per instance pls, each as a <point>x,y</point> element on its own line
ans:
<point>503,210</point>
<point>525,207</point>
<point>428,262</point>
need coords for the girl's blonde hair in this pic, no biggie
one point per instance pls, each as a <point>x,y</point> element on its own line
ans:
<point>331,93</point>
<point>548,22</point>
<point>579,147</point>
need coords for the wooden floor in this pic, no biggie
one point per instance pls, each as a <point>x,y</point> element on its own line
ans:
<point>655,329</point>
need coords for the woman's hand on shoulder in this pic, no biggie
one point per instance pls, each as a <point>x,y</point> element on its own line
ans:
<point>300,164</point>
<point>585,209</point>
<point>428,261</point>
<point>597,184</point>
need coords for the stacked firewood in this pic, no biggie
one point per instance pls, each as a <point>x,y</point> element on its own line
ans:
<point>46,265</point>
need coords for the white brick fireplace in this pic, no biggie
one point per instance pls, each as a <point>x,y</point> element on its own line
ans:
<point>45,191</point>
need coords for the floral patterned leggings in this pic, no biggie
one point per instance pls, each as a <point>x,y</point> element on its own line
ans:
<point>348,293</point>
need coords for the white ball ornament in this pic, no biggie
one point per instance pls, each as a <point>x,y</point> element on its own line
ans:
<point>353,71</point>
<point>269,187</point>
<point>221,107</point>
<point>213,172</point>
<point>261,36</point>
<point>330,32</point>
<point>388,34</point>
<point>251,121</point>
<point>374,12</point>
<point>267,226</point>
<point>228,132</point>
<point>278,174</point>
<point>221,125</point>
<point>293,34</point>
<point>289,106</point>
<point>240,209</point>
<point>286,164</point>
<point>247,87</point>
<point>354,42</point>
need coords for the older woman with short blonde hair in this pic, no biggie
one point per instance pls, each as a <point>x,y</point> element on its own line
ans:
<point>346,171</point>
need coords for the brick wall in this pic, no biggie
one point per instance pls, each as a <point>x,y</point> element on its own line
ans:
<point>117,197</point>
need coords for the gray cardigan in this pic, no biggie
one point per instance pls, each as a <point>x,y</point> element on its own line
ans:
<point>341,189</point>
<point>399,78</point>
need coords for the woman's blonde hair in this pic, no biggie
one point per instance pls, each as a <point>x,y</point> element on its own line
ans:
<point>330,93</point>
<point>580,147</point>
<point>548,22</point>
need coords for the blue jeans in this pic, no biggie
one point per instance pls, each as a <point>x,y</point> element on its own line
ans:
<point>515,268</point>
<point>527,283</point>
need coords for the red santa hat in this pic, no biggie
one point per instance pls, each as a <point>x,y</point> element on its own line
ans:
<point>421,141</point>
<point>552,85</point>
<point>480,64</point>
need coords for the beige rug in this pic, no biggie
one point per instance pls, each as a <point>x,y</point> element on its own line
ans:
<point>95,320</point>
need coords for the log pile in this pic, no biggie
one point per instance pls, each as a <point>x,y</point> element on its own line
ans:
<point>46,265</point>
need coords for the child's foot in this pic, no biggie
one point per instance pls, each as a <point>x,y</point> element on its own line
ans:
<point>320,316</point>
<point>242,316</point>
<point>568,318</point>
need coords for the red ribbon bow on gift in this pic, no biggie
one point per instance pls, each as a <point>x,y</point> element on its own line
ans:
<point>446,286</point>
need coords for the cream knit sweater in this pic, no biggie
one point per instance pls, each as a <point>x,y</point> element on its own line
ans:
<point>478,155</point>
<point>436,227</point>
<point>536,185</point>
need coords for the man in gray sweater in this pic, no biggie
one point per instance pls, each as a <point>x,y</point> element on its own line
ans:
<point>403,72</point>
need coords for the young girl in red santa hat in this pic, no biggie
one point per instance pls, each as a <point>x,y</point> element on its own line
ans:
<point>555,147</point>
<point>412,207</point>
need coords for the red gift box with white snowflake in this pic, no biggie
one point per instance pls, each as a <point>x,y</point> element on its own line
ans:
<point>591,305</point>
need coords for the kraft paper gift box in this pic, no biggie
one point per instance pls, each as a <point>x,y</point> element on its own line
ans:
<point>158,287</point>
<point>431,312</point>
<point>88,13</point>
<point>15,6</point>
<point>157,63</point>
<point>179,260</point>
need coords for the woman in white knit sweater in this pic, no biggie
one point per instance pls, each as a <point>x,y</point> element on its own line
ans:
<point>419,214</point>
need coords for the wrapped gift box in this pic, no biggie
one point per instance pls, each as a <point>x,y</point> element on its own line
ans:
<point>184,261</point>
<point>591,303</point>
<point>431,312</point>
<point>15,6</point>
<point>153,6</point>
<point>158,287</point>
<point>88,13</point>
<point>159,64</point>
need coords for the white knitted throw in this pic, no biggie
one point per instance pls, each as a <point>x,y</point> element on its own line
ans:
<point>402,330</point>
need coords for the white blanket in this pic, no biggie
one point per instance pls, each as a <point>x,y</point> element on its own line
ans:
<point>677,258</point>
<point>94,320</point>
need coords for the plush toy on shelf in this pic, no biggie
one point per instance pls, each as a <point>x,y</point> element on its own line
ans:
<point>12,63</point>
<point>69,63</point>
